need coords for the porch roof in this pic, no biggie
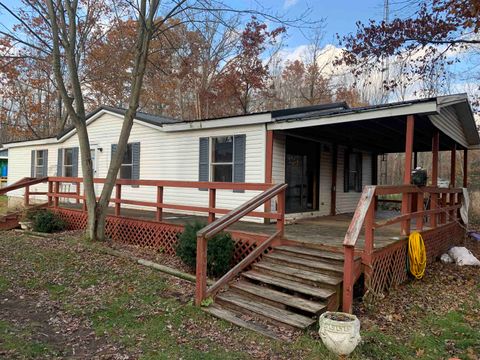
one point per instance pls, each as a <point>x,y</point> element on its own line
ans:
<point>382,128</point>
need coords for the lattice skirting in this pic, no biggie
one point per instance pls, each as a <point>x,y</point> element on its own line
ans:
<point>390,263</point>
<point>154,235</point>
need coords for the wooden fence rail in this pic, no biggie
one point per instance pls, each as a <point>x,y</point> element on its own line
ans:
<point>443,207</point>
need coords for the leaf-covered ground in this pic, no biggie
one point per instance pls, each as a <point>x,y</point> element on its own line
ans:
<point>3,204</point>
<point>62,297</point>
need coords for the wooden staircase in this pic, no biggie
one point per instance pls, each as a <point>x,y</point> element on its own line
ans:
<point>10,221</point>
<point>288,288</point>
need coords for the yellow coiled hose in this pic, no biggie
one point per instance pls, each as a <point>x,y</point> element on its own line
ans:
<point>417,254</point>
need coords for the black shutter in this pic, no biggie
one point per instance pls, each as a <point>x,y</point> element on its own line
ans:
<point>75,162</point>
<point>32,164</point>
<point>358,185</point>
<point>204,160</point>
<point>136,162</point>
<point>346,170</point>
<point>60,162</point>
<point>45,163</point>
<point>239,144</point>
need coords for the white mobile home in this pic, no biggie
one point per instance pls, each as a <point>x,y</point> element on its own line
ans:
<point>325,153</point>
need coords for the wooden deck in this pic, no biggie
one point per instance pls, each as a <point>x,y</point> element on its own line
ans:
<point>324,230</point>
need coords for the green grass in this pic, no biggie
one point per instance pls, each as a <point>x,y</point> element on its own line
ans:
<point>133,306</point>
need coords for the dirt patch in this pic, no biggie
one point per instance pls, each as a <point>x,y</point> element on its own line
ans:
<point>41,321</point>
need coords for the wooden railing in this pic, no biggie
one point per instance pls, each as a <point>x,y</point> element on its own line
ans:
<point>443,207</point>
<point>201,291</point>
<point>160,205</point>
<point>25,183</point>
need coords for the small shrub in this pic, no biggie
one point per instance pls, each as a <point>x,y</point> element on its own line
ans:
<point>219,251</point>
<point>47,222</point>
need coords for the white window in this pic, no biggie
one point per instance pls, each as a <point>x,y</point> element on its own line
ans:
<point>68,162</point>
<point>126,170</point>
<point>39,163</point>
<point>222,159</point>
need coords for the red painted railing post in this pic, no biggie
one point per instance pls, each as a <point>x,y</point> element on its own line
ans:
<point>281,212</point>
<point>201,271</point>
<point>407,176</point>
<point>367,255</point>
<point>443,204</point>
<point>348,278</point>
<point>55,194</point>
<point>433,195</point>
<point>159,214</point>
<point>118,197</point>
<point>50,190</point>
<point>27,196</point>
<point>78,191</point>
<point>420,205</point>
<point>212,194</point>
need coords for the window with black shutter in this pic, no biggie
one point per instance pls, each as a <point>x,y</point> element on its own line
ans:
<point>353,171</point>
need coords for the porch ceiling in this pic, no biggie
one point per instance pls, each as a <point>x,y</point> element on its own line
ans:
<point>382,135</point>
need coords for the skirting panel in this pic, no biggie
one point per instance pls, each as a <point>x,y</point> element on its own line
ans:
<point>157,236</point>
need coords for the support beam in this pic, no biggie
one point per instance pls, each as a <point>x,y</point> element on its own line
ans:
<point>407,176</point>
<point>465,168</point>
<point>453,167</point>
<point>333,194</point>
<point>434,197</point>
<point>268,167</point>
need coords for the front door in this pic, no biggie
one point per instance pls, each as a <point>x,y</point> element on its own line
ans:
<point>301,175</point>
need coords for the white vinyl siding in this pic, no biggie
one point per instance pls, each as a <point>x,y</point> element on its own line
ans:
<point>325,179</point>
<point>164,156</point>
<point>347,201</point>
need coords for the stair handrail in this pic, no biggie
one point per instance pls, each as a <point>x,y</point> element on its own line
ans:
<point>248,260</point>
<point>221,224</point>
<point>22,184</point>
<point>365,210</point>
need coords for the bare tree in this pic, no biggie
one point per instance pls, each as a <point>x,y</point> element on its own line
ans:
<point>63,30</point>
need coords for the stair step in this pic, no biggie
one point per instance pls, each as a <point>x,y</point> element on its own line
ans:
<point>289,284</point>
<point>305,276</point>
<point>231,317</point>
<point>279,297</point>
<point>264,310</point>
<point>309,253</point>
<point>295,261</point>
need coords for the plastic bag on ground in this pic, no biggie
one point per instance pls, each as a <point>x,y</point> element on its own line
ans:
<point>463,256</point>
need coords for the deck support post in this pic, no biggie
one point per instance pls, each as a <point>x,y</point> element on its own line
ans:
<point>201,271</point>
<point>420,205</point>
<point>453,166</point>
<point>434,196</point>
<point>348,278</point>
<point>77,191</point>
<point>407,176</point>
<point>333,196</point>
<point>49,196</point>
<point>55,192</point>
<point>465,168</point>
<point>281,212</point>
<point>453,181</point>
<point>212,194</point>
<point>27,196</point>
<point>159,214</point>
<point>268,167</point>
<point>118,196</point>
